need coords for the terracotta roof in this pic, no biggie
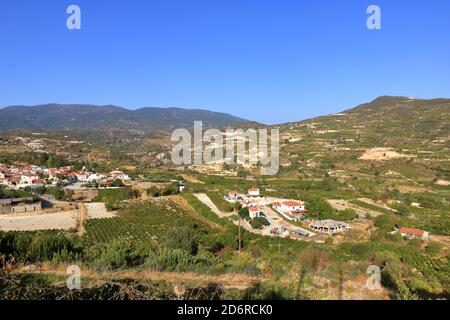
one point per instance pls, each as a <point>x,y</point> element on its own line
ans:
<point>411,231</point>
<point>254,209</point>
<point>292,203</point>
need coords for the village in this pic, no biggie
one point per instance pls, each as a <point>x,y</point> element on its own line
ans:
<point>32,177</point>
<point>267,216</point>
<point>287,218</point>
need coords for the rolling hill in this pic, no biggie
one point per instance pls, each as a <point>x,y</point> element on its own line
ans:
<point>73,116</point>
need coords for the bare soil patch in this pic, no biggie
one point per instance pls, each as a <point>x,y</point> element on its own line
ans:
<point>55,221</point>
<point>382,154</point>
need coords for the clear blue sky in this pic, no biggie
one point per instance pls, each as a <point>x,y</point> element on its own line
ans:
<point>270,61</point>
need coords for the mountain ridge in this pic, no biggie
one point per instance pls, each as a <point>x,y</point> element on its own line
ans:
<point>86,116</point>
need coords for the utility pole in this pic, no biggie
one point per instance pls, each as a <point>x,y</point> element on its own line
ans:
<point>239,244</point>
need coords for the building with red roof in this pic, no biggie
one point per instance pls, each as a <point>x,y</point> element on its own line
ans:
<point>412,233</point>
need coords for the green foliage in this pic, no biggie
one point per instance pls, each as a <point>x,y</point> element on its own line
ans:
<point>220,202</point>
<point>170,260</point>
<point>119,253</point>
<point>57,193</point>
<point>184,238</point>
<point>48,160</point>
<point>259,223</point>
<point>117,183</point>
<point>244,213</point>
<point>39,246</point>
<point>111,195</point>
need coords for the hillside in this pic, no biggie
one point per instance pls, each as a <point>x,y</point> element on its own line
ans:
<point>393,149</point>
<point>72,116</point>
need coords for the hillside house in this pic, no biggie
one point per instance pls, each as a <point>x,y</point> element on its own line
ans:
<point>291,209</point>
<point>253,192</point>
<point>232,196</point>
<point>116,174</point>
<point>255,212</point>
<point>411,233</point>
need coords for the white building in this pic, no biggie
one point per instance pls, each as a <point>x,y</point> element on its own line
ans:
<point>291,210</point>
<point>94,176</point>
<point>254,212</point>
<point>253,192</point>
<point>116,174</point>
<point>411,233</point>
<point>232,196</point>
<point>27,179</point>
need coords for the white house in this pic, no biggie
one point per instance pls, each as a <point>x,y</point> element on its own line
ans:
<point>233,196</point>
<point>412,233</point>
<point>291,210</point>
<point>27,179</point>
<point>116,174</point>
<point>82,176</point>
<point>254,212</point>
<point>253,192</point>
<point>94,176</point>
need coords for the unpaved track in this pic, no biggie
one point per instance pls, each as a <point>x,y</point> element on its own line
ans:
<point>185,205</point>
<point>208,202</point>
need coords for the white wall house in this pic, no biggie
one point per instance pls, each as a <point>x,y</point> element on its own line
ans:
<point>411,233</point>
<point>27,179</point>
<point>291,210</point>
<point>253,192</point>
<point>232,196</point>
<point>254,212</point>
<point>95,176</point>
<point>120,175</point>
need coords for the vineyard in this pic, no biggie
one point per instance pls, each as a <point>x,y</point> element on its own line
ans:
<point>434,272</point>
<point>431,268</point>
<point>142,221</point>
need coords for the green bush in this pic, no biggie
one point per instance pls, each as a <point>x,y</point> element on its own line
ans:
<point>111,195</point>
<point>258,223</point>
<point>184,238</point>
<point>39,246</point>
<point>170,260</point>
<point>120,253</point>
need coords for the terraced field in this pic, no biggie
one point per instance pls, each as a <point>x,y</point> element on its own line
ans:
<point>145,221</point>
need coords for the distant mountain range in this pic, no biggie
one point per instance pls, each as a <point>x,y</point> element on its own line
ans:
<point>81,116</point>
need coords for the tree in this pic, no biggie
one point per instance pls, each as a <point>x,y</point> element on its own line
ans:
<point>244,213</point>
<point>117,183</point>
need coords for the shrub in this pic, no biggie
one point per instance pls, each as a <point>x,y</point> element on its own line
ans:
<point>117,254</point>
<point>258,223</point>
<point>111,195</point>
<point>170,260</point>
<point>184,238</point>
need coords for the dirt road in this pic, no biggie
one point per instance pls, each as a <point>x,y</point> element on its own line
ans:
<point>208,202</point>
